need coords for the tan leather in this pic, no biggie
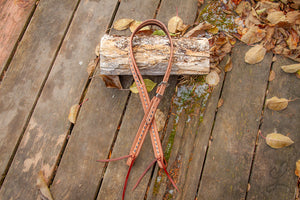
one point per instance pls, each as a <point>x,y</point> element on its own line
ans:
<point>150,107</point>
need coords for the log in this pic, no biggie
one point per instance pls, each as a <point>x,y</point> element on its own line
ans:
<point>191,55</point>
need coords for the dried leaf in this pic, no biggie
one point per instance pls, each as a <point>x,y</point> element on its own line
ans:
<point>91,67</point>
<point>293,17</point>
<point>97,50</point>
<point>220,103</point>
<point>111,81</point>
<point>255,55</point>
<point>213,30</point>
<point>291,68</point>
<point>297,171</point>
<point>276,16</point>
<point>228,66</point>
<point>174,23</point>
<point>272,75</point>
<point>73,113</point>
<point>122,24</point>
<point>253,35</point>
<point>293,39</point>
<point>212,78</point>
<point>148,83</point>
<point>43,187</point>
<point>198,30</point>
<point>160,119</point>
<point>277,140</point>
<point>277,104</point>
<point>135,24</point>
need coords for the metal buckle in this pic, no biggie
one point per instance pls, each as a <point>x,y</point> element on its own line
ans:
<point>159,96</point>
<point>164,83</point>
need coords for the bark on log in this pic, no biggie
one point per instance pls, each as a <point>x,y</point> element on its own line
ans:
<point>191,55</point>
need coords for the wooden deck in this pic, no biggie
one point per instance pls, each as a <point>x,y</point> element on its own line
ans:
<point>213,152</point>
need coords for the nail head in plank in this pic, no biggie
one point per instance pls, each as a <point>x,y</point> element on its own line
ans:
<point>273,174</point>
<point>27,71</point>
<point>229,157</point>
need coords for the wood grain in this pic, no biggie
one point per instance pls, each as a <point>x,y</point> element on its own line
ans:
<point>191,55</point>
<point>49,126</point>
<point>273,174</point>
<point>229,156</point>
<point>14,16</point>
<point>28,70</point>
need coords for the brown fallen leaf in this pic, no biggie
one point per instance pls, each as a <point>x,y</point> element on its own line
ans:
<point>293,17</point>
<point>73,113</point>
<point>272,75</point>
<point>293,39</point>
<point>277,104</point>
<point>253,35</point>
<point>255,55</point>
<point>212,78</point>
<point>160,120</point>
<point>148,83</point>
<point>228,66</point>
<point>220,103</point>
<point>111,81</point>
<point>174,24</point>
<point>122,24</point>
<point>41,183</point>
<point>277,140</point>
<point>275,17</point>
<point>297,171</point>
<point>135,24</point>
<point>91,67</point>
<point>291,68</point>
<point>200,28</point>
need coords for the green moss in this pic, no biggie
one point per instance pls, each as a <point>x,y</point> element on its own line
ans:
<point>214,14</point>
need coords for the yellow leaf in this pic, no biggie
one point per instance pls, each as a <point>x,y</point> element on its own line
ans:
<point>213,30</point>
<point>277,104</point>
<point>135,24</point>
<point>297,171</point>
<point>291,68</point>
<point>277,140</point>
<point>148,83</point>
<point>212,78</point>
<point>174,24</point>
<point>43,187</point>
<point>122,24</point>
<point>255,55</point>
<point>73,113</point>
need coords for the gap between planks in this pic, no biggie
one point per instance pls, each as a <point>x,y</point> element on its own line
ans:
<point>259,127</point>
<point>38,95</point>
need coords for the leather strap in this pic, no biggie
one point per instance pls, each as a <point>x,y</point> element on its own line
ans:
<point>150,107</point>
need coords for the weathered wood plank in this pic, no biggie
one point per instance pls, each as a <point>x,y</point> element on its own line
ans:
<point>49,125</point>
<point>14,15</point>
<point>191,55</point>
<point>229,156</point>
<point>115,175</point>
<point>273,174</point>
<point>29,68</point>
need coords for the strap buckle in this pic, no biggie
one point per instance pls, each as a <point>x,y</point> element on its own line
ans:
<point>163,83</point>
<point>159,96</point>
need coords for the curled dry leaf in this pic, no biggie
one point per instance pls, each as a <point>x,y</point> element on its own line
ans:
<point>275,17</point>
<point>277,140</point>
<point>277,104</point>
<point>272,75</point>
<point>174,24</point>
<point>255,55</point>
<point>220,103</point>
<point>291,68</point>
<point>122,24</point>
<point>297,171</point>
<point>73,113</point>
<point>43,187</point>
<point>212,78</point>
<point>148,83</point>
<point>253,35</point>
<point>228,66</point>
<point>135,24</point>
<point>97,50</point>
<point>160,119</point>
<point>91,67</point>
<point>111,81</point>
